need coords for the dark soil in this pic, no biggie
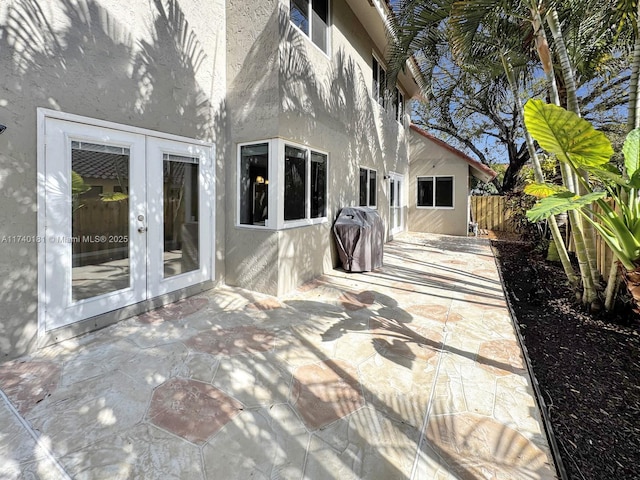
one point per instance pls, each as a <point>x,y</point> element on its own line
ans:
<point>587,365</point>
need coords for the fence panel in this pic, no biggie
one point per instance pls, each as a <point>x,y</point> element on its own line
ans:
<point>491,213</point>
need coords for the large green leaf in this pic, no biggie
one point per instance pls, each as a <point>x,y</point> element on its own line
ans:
<point>631,150</point>
<point>543,190</point>
<point>78,186</point>
<point>565,134</point>
<point>560,203</point>
<point>113,196</point>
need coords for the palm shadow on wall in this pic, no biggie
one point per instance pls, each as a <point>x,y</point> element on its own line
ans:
<point>87,63</point>
<point>312,93</point>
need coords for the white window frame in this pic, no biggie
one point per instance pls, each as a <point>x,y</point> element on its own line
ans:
<point>434,206</point>
<point>271,189</point>
<point>399,106</point>
<point>377,66</point>
<point>369,170</point>
<point>309,35</point>
<point>276,220</point>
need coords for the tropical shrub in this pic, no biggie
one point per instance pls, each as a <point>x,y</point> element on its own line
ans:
<point>576,143</point>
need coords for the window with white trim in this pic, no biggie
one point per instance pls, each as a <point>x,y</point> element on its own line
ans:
<point>368,187</point>
<point>398,105</point>
<point>312,18</point>
<point>379,82</point>
<point>435,192</point>
<point>254,184</point>
<point>298,189</point>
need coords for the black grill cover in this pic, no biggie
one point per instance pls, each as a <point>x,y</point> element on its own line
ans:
<point>359,233</point>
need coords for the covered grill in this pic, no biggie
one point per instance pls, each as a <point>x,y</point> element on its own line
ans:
<point>359,233</point>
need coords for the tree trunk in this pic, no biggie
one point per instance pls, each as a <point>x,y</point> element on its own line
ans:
<point>586,245</point>
<point>555,231</point>
<point>632,280</point>
<point>633,115</point>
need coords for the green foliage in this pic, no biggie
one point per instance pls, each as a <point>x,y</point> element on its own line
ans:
<point>571,138</point>
<point>543,190</point>
<point>518,204</point>
<point>574,141</point>
<point>113,196</point>
<point>78,187</point>
<point>560,203</point>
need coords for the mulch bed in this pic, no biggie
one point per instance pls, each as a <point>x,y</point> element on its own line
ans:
<point>587,365</point>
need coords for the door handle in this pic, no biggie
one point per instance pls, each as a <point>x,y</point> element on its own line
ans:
<point>142,228</point>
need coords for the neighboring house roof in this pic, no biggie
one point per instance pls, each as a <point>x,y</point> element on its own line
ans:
<point>478,169</point>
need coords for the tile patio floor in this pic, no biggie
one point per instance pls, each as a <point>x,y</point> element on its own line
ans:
<point>411,372</point>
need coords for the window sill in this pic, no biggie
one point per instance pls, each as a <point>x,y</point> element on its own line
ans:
<point>287,226</point>
<point>307,222</point>
<point>434,208</point>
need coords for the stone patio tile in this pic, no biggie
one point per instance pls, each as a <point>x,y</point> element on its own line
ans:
<point>501,357</point>
<point>399,386</point>
<point>214,321</point>
<point>88,411</point>
<point>16,445</point>
<point>201,366</point>
<point>326,391</point>
<point>363,445</point>
<point>516,406</point>
<point>192,410</point>
<point>153,335</point>
<point>42,469</point>
<point>351,301</point>
<point>174,311</point>
<point>233,341</point>
<point>264,305</point>
<point>474,446</point>
<point>355,347</point>
<point>152,366</point>
<point>26,383</point>
<point>254,380</point>
<point>142,452</point>
<point>308,343</point>
<point>262,443</point>
<point>92,362</point>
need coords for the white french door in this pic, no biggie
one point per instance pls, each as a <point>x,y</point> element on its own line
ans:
<point>128,216</point>
<point>396,186</point>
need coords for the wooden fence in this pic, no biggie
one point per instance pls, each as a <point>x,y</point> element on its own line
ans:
<point>100,230</point>
<point>491,213</point>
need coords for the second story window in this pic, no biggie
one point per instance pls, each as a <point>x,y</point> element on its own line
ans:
<point>399,105</point>
<point>312,17</point>
<point>379,82</point>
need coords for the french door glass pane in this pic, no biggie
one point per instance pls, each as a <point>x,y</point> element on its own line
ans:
<point>181,215</point>
<point>99,219</point>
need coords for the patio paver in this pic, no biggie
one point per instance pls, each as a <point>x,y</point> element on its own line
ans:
<point>409,372</point>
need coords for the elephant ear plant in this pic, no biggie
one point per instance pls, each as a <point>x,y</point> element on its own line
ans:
<point>576,143</point>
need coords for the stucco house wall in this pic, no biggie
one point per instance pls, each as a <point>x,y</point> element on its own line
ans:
<point>158,65</point>
<point>323,102</point>
<point>431,159</point>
